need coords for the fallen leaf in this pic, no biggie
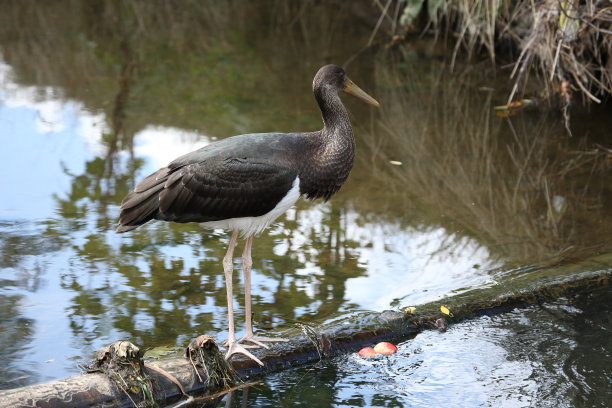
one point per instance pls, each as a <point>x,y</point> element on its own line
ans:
<point>445,310</point>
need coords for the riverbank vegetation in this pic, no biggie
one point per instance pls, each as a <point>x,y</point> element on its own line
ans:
<point>565,44</point>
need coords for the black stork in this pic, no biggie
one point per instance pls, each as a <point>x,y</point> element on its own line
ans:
<point>243,183</point>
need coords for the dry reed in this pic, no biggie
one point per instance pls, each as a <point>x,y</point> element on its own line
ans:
<point>561,41</point>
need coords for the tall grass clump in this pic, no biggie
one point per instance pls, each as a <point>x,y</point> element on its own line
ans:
<point>566,43</point>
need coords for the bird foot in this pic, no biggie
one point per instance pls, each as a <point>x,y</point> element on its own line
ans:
<point>233,348</point>
<point>224,343</point>
<point>259,341</point>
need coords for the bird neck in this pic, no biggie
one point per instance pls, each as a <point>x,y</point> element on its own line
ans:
<point>331,159</point>
<point>336,122</point>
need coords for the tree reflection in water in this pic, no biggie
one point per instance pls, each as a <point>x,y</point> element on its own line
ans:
<point>170,76</point>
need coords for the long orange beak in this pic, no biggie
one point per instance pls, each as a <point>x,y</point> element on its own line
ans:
<point>352,89</point>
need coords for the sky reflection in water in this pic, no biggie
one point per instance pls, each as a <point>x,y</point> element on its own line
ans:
<point>468,203</point>
<point>48,140</point>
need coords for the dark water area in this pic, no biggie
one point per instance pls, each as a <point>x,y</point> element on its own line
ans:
<point>557,354</point>
<point>444,196</point>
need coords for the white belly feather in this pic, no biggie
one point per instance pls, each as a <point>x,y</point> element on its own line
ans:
<point>254,225</point>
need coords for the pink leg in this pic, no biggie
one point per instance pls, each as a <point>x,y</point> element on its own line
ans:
<point>247,263</point>
<point>228,266</point>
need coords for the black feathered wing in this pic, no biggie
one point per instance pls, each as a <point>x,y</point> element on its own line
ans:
<point>218,182</point>
<point>222,189</point>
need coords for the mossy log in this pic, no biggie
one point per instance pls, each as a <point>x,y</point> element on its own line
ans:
<point>96,389</point>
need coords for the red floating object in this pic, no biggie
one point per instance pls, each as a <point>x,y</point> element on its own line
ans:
<point>367,352</point>
<point>385,348</point>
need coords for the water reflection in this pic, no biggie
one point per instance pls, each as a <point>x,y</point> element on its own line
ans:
<point>519,186</point>
<point>94,98</point>
<point>556,354</point>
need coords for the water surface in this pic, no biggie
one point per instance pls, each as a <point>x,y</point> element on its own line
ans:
<point>558,354</point>
<point>95,97</point>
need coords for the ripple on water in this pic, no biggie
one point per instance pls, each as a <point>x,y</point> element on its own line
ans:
<point>558,354</point>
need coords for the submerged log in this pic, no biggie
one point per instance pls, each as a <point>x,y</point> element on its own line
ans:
<point>309,345</point>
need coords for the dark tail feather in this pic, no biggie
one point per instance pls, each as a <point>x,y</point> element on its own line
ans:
<point>143,208</point>
<point>142,205</point>
<point>125,228</point>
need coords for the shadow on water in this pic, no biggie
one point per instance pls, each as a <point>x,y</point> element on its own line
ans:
<point>97,95</point>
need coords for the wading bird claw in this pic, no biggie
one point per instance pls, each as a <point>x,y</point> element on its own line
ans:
<point>259,341</point>
<point>234,348</point>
